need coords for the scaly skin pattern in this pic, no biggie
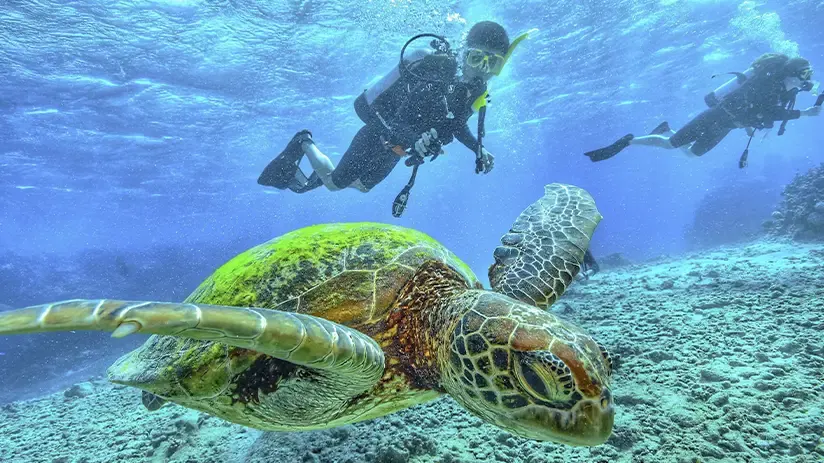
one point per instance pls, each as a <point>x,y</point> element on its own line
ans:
<point>540,256</point>
<point>512,364</point>
<point>525,370</point>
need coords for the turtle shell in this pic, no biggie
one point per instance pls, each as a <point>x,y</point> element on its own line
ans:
<point>346,273</point>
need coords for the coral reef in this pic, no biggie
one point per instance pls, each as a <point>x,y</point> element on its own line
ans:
<point>801,212</point>
<point>720,361</point>
<point>732,213</point>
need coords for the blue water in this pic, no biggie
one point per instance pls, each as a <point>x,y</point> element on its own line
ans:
<point>138,129</point>
<point>142,123</point>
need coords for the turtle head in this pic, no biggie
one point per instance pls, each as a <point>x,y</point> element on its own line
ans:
<point>530,373</point>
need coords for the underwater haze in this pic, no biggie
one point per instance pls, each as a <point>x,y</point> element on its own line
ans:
<point>146,123</point>
<point>133,132</point>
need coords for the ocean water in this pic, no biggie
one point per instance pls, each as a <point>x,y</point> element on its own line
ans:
<point>133,132</point>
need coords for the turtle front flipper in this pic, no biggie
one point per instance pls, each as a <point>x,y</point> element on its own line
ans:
<point>349,359</point>
<point>544,250</point>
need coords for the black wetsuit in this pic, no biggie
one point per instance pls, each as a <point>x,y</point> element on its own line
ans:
<point>758,103</point>
<point>401,113</point>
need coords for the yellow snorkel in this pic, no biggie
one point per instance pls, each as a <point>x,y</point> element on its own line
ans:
<point>482,100</point>
<point>514,44</point>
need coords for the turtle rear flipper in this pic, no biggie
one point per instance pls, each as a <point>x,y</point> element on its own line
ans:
<point>152,402</point>
<point>544,250</point>
<point>346,362</point>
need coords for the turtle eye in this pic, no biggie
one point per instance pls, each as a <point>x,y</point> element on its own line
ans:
<point>607,358</point>
<point>544,375</point>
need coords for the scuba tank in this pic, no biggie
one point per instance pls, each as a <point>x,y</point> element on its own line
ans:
<point>713,98</point>
<point>766,65</point>
<point>440,46</point>
<point>386,81</point>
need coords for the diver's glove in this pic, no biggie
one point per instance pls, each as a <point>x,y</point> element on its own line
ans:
<point>428,144</point>
<point>485,163</point>
<point>811,111</point>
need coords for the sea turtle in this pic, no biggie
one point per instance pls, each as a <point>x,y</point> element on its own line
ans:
<point>338,323</point>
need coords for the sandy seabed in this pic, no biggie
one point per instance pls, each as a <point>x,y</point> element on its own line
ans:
<point>721,360</point>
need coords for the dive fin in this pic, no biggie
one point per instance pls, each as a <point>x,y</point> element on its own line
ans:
<point>301,184</point>
<point>661,129</point>
<point>611,150</point>
<point>281,172</point>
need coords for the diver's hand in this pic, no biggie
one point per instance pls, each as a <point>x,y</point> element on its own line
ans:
<point>403,136</point>
<point>428,143</point>
<point>811,111</point>
<point>486,162</point>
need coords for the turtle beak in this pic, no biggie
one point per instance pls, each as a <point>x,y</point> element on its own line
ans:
<point>587,425</point>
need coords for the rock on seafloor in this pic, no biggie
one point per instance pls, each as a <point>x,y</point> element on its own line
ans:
<point>801,212</point>
<point>721,359</point>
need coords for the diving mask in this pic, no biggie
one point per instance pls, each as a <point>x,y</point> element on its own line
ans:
<point>487,61</point>
<point>805,74</point>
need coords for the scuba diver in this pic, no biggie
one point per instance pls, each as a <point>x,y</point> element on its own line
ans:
<point>412,112</point>
<point>755,99</point>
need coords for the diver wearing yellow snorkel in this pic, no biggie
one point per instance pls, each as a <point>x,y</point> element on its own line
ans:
<point>414,110</point>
